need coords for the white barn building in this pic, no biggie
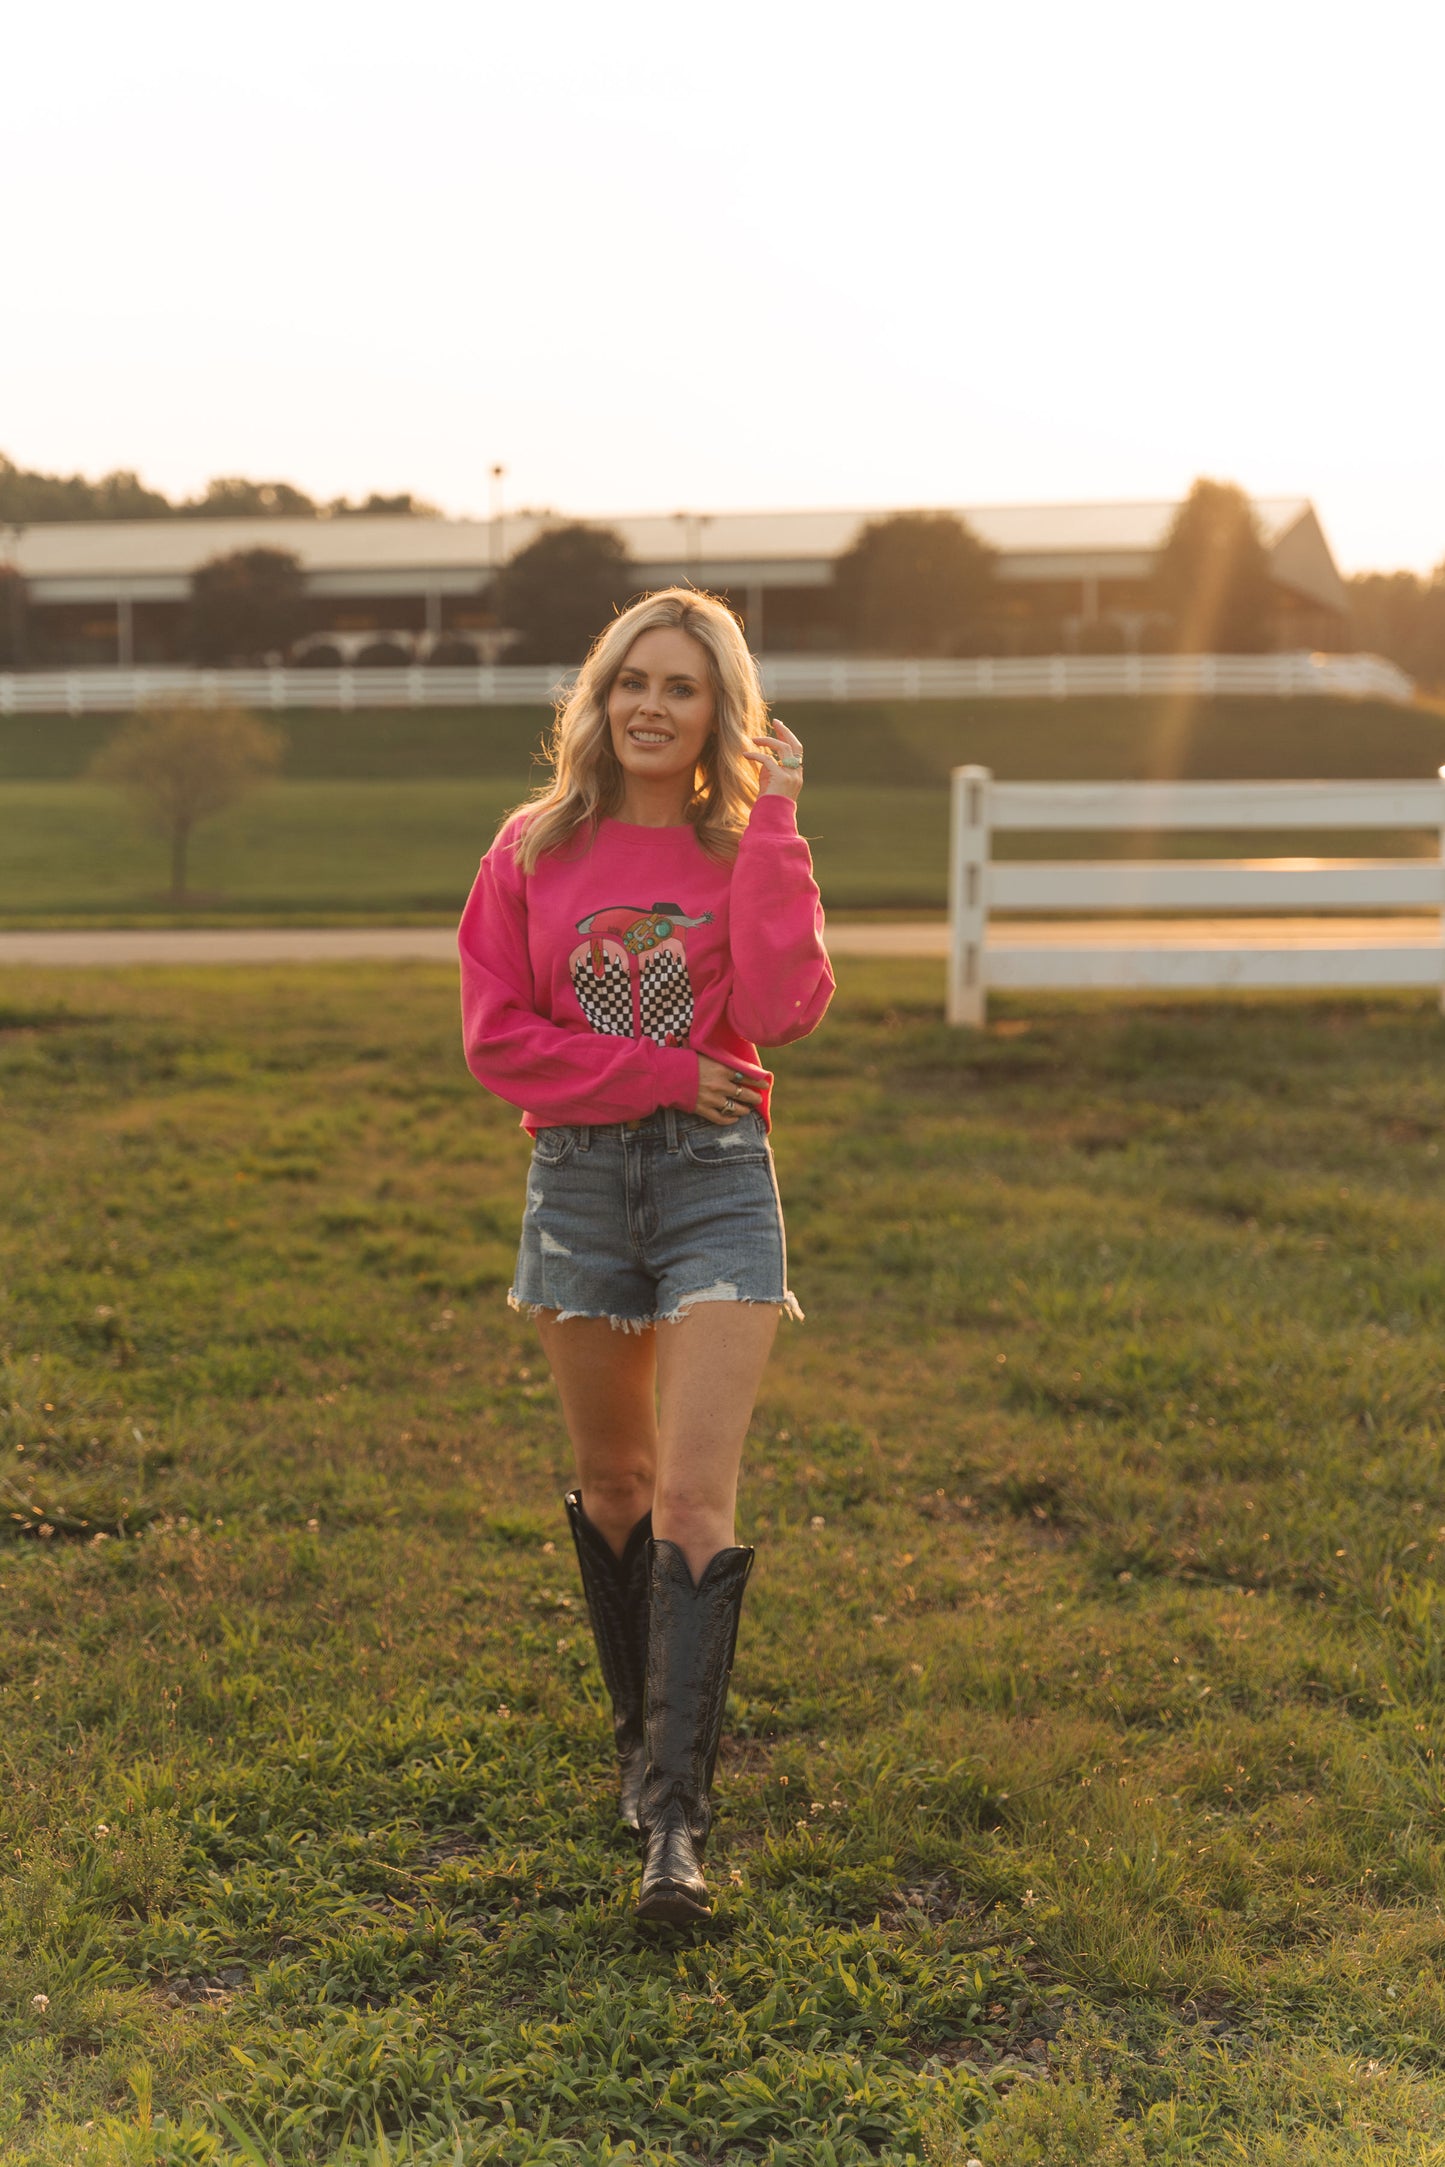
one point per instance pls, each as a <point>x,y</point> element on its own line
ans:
<point>391,589</point>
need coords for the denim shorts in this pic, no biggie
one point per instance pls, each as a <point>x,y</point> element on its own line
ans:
<point>640,1221</point>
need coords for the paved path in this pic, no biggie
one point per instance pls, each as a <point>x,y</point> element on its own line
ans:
<point>1400,931</point>
<point>928,937</point>
<point>239,944</point>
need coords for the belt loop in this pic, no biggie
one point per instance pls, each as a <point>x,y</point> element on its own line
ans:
<point>669,1123</point>
<point>584,1138</point>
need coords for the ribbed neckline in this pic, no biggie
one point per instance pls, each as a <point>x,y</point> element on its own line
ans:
<point>645,827</point>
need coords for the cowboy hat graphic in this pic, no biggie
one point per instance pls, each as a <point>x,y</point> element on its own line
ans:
<point>638,930</point>
<point>631,978</point>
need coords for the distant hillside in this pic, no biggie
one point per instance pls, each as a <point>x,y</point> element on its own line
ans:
<point>900,742</point>
<point>1107,739</point>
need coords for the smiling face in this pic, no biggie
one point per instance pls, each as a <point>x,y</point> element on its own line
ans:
<point>661,709</point>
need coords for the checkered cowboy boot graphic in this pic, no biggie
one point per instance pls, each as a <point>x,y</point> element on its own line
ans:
<point>664,994</point>
<point>630,977</point>
<point>602,982</point>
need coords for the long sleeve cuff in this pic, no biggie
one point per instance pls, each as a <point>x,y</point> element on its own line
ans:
<point>774,818</point>
<point>677,1074</point>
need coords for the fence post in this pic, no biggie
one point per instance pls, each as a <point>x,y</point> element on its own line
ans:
<point>968,856</point>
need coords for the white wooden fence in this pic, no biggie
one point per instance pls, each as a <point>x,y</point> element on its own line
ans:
<point>101,692</point>
<point>978,886</point>
<point>1066,677</point>
<point>786,677</point>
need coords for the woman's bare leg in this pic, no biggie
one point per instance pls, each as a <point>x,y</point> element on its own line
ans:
<point>683,1461</point>
<point>709,1366</point>
<point>605,1381</point>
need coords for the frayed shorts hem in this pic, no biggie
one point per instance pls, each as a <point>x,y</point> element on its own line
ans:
<point>787,1302</point>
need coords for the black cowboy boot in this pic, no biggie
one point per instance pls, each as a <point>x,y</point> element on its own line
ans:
<point>691,1634</point>
<point>616,1591</point>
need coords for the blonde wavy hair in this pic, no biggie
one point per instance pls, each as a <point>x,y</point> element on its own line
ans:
<point>587,781</point>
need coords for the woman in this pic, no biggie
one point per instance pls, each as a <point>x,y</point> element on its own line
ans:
<point>632,934</point>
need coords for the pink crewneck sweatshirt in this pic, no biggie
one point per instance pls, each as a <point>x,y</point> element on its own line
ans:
<point>590,986</point>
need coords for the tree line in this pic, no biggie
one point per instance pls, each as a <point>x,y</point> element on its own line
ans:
<point>1402,616</point>
<point>28,498</point>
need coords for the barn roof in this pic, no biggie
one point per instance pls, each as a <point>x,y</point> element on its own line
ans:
<point>92,560</point>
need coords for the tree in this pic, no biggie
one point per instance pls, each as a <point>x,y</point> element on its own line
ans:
<point>1213,575</point>
<point>12,618</point>
<point>1401,616</point>
<point>246,605</point>
<point>25,497</point>
<point>402,505</point>
<point>916,583</point>
<point>560,590</point>
<point>231,496</point>
<point>183,765</point>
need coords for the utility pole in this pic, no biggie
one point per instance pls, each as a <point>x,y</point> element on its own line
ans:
<point>495,552</point>
<point>692,524</point>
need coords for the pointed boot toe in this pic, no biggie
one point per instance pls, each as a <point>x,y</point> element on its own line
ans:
<point>673,1891</point>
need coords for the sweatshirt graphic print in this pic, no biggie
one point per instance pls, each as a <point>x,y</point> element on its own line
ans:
<point>631,978</point>
<point>583,1002</point>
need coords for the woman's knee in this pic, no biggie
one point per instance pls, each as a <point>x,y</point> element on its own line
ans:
<point>617,1487</point>
<point>685,1512</point>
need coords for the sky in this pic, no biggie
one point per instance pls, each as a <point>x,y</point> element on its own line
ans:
<point>780,254</point>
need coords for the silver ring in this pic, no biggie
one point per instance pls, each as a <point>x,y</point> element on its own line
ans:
<point>727,1106</point>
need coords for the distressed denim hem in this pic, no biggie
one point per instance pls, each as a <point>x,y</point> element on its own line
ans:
<point>787,1302</point>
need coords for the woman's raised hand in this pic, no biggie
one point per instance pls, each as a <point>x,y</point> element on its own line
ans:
<point>780,755</point>
<point>724,1095</point>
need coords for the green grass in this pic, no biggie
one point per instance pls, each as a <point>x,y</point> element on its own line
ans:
<point>1083,1799</point>
<point>389,744</point>
<point>297,849</point>
<point>305,850</point>
<point>384,816</point>
<point>885,741</point>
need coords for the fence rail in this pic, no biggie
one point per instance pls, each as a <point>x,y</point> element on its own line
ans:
<point>796,677</point>
<point>1064,677</point>
<point>978,886</point>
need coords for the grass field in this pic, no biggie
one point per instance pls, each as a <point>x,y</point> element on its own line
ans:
<point>1083,1800</point>
<point>405,850</point>
<point>385,815</point>
<point>888,742</point>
